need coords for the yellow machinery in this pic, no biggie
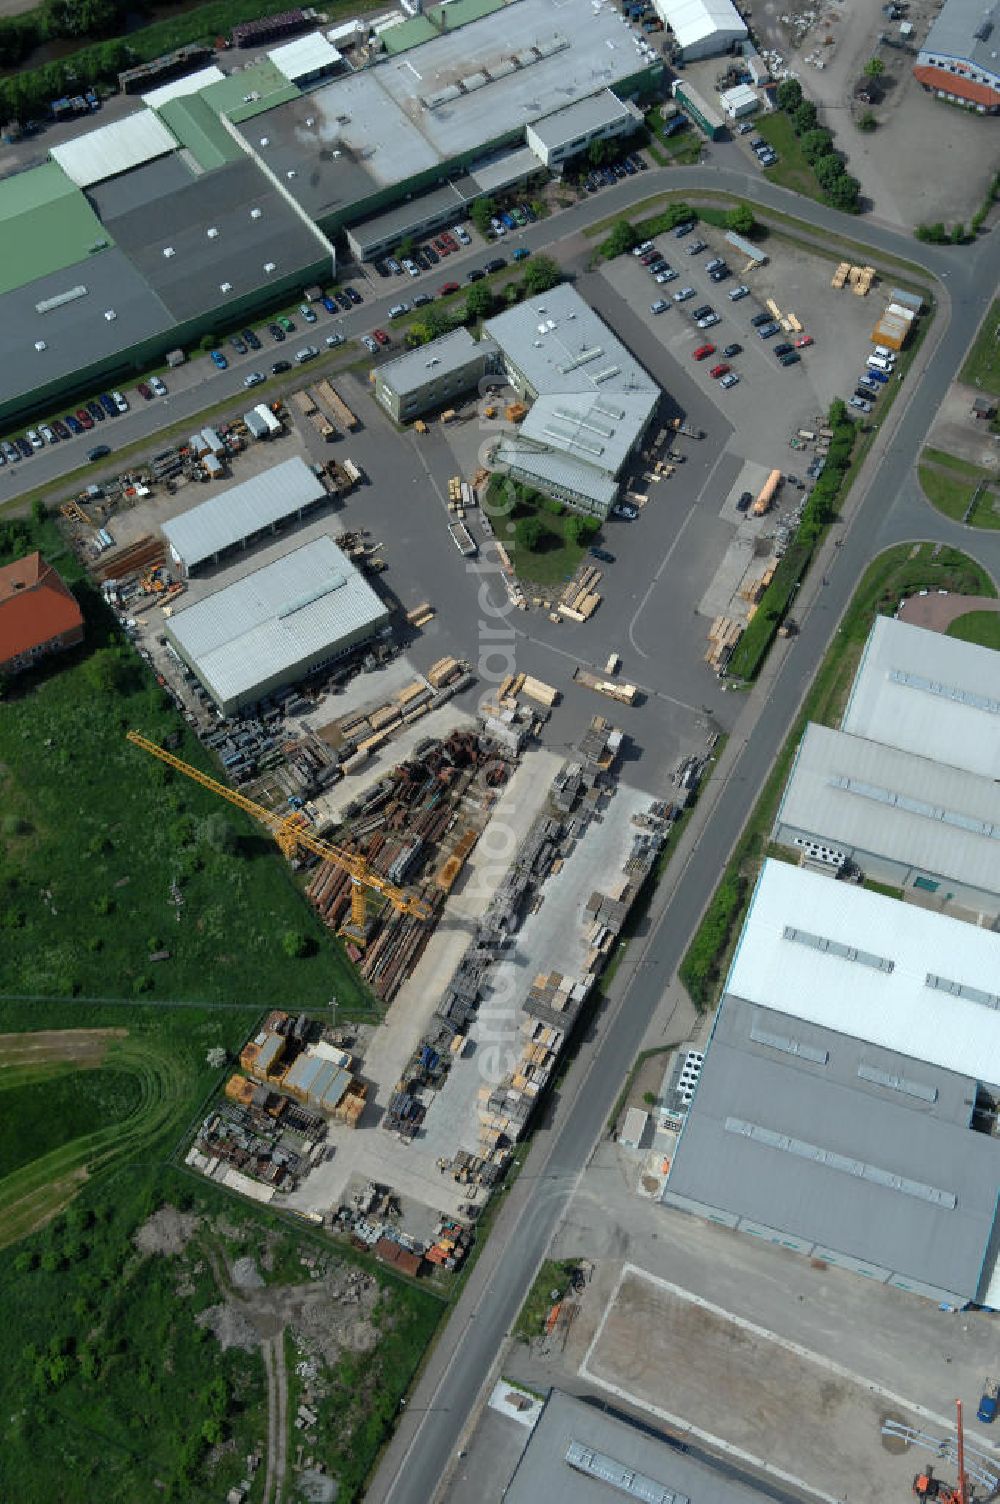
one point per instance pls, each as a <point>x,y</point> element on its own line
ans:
<point>292,835</point>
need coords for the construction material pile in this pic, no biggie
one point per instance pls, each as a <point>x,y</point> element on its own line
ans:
<point>364,731</point>
<point>417,823</point>
<point>580,598</point>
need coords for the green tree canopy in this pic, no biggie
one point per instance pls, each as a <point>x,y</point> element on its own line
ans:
<point>479,302</point>
<point>874,68</point>
<point>828,169</point>
<point>845,192</point>
<point>622,238</point>
<point>530,533</point>
<point>540,274</point>
<point>816,144</point>
<point>789,94</point>
<point>741,220</point>
<point>804,117</point>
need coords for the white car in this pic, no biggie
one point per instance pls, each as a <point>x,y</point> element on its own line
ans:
<point>254,378</point>
<point>729,380</point>
<point>119,402</point>
<point>668,276</point>
<point>47,434</point>
<point>398,309</point>
<point>34,438</point>
<point>659,306</point>
<point>709,321</point>
<point>640,250</point>
<point>411,268</point>
<point>861,405</point>
<point>158,386</point>
<point>461,235</point>
<point>333,340</point>
<point>683,294</point>
<point>623,509</point>
<point>736,293</point>
<point>370,344</point>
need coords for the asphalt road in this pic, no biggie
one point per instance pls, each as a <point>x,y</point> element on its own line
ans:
<point>889,509</point>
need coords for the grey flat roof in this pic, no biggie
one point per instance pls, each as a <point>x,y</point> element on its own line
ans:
<point>77,334</point>
<point>395,223</point>
<point>413,112</point>
<point>544,1473</point>
<point>550,467</point>
<point>596,430</point>
<point>154,209</point>
<point>452,352</point>
<point>929,694</point>
<point>243,511</point>
<point>933,1227</point>
<point>562,346</point>
<point>579,118</point>
<point>275,619</point>
<point>953,33</point>
<point>861,794</point>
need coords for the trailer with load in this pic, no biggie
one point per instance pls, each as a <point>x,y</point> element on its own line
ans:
<point>463,539</point>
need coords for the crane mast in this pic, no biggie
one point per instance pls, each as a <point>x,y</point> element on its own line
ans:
<point>292,835</point>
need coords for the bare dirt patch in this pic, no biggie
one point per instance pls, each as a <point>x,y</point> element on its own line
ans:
<point>167,1232</point>
<point>83,1048</point>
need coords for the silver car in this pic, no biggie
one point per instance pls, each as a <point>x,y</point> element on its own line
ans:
<point>683,294</point>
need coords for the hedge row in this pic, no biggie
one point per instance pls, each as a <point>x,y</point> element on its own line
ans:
<point>699,970</point>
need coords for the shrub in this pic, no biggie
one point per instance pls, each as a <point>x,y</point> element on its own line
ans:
<point>621,240</point>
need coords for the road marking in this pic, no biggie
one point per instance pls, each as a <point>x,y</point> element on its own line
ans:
<point>829,1365</point>
<point>655,581</point>
<point>657,694</point>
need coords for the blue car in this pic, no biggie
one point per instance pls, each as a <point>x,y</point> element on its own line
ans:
<point>220,360</point>
<point>329,304</point>
<point>508,221</point>
<point>880,376</point>
<point>73,424</point>
<point>521,253</point>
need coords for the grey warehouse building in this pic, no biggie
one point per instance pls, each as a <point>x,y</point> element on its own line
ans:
<point>846,1107</point>
<point>926,828</point>
<point>230,522</point>
<point>277,625</point>
<point>433,374</point>
<point>581,1454</point>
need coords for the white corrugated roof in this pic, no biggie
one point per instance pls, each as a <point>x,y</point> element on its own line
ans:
<point>304,55</point>
<point>894,1008</point>
<point>862,794</point>
<point>928,694</point>
<point>275,619</point>
<point>180,88</point>
<point>242,511</point>
<point>694,20</point>
<point>114,148</point>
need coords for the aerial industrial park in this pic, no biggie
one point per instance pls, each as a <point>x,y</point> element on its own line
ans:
<point>499,741</point>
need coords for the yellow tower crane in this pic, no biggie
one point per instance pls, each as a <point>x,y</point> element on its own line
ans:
<point>292,835</point>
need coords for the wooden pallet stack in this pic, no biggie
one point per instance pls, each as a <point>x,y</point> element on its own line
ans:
<point>723,635</point>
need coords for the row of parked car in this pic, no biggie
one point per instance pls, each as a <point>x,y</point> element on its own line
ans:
<point>98,410</point>
<point>424,256</point>
<point>764,152</point>
<point>603,177</point>
<point>879,367</point>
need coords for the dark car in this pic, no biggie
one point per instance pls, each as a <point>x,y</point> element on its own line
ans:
<point>99,452</point>
<point>73,424</point>
<point>96,411</point>
<point>732,350</point>
<point>685,229</point>
<point>280,366</point>
<point>343,301</point>
<point>354,295</point>
<point>791,359</point>
<point>431,255</point>
<point>145,391</point>
<point>745,499</point>
<point>702,312</point>
<point>276,332</point>
<point>252,341</point>
<point>419,259</point>
<point>476,275</point>
<point>602,554</point>
<point>783,349</point>
<point>497,264</point>
<point>24,446</point>
<point>108,403</point>
<point>422,299</point>
<point>720,274</point>
<point>238,344</point>
<point>84,418</point>
<point>381,268</point>
<point>760,319</point>
<point>328,304</point>
<point>864,393</point>
<point>59,429</point>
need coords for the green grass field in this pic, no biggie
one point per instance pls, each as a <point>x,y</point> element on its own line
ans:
<point>950,483</point>
<point>898,572</point>
<point>982,627</point>
<point>792,171</point>
<point>982,365</point>
<point>109,857</point>
<point>555,559</point>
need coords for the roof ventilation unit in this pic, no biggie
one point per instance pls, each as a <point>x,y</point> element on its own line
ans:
<point>39,345</point>
<point>255,214</point>
<point>225,287</point>
<point>110,315</point>
<point>169,251</point>
<point>269,266</point>
<point>212,232</point>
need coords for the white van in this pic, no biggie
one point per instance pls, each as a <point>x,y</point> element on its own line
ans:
<point>879,363</point>
<point>308,352</point>
<point>885,352</point>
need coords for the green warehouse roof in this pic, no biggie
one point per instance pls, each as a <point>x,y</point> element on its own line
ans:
<point>199,129</point>
<point>46,224</point>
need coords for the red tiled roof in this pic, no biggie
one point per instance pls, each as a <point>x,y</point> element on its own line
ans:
<point>958,85</point>
<point>35,606</point>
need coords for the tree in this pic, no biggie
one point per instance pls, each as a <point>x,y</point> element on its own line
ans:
<point>622,239</point>
<point>804,117</point>
<point>580,530</point>
<point>789,94</point>
<point>845,192</point>
<point>958,234</point>
<point>828,169</point>
<point>816,144</point>
<point>297,945</point>
<point>481,213</point>
<point>874,68</point>
<point>598,153</point>
<point>740,220</point>
<point>479,302</point>
<point>866,121</point>
<point>936,233</point>
<point>531,532</point>
<point>541,274</point>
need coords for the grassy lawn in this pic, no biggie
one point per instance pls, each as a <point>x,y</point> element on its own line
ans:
<point>950,483</point>
<point>982,627</point>
<point>899,572</point>
<point>554,557</point>
<point>550,1286</point>
<point>982,364</point>
<point>792,171</point>
<point>109,857</point>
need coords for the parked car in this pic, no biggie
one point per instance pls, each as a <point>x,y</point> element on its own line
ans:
<point>84,418</point>
<point>709,321</point>
<point>286,323</point>
<point>717,372</point>
<point>732,350</point>
<point>683,229</point>
<point>120,402</point>
<point>683,294</point>
<point>422,299</point>
<point>736,293</point>
<point>782,349</point>
<point>522,253</point>
<point>476,275</point>
<point>660,306</point>
<point>24,448</point>
<point>11,452</point>
<point>702,310</point>
<point>719,275</point>
<point>280,367</point>
<point>791,359</point>
<point>220,360</point>
<point>276,332</point>
<point>73,424</point>
<point>640,250</point>
<point>497,264</point>
<point>602,554</point>
<point>626,510</point>
<point>696,247</point>
<point>447,288</point>
<point>354,295</point>
<point>370,344</point>
<point>803,342</point>
<point>668,275</point>
<point>411,268</point>
<point>768,331</point>
<point>333,340</point>
<point>861,404</point>
<point>430,255</point>
<point>987,1412</point>
<point>648,257</point>
<point>745,501</point>
<point>703,352</point>
<point>398,309</point>
<point>252,340</point>
<point>238,344</point>
<point>108,403</point>
<point>253,378</point>
<point>760,319</point>
<point>381,268</point>
<point>343,300</point>
<point>328,303</point>
<point>145,391</point>
<point>159,386</point>
<point>47,433</point>
<point>96,411</point>
<point>714,264</point>
<point>60,430</point>
<point>394,266</point>
<point>382,337</point>
<point>99,452</point>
